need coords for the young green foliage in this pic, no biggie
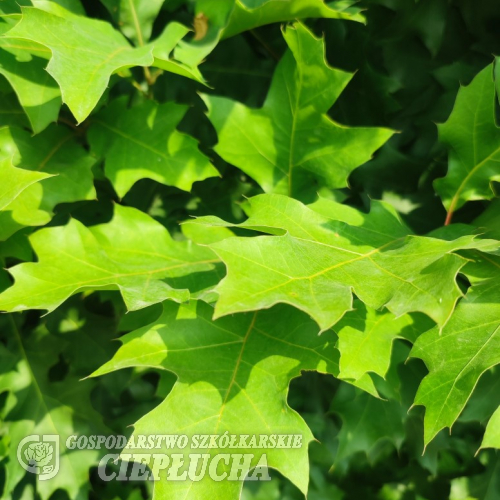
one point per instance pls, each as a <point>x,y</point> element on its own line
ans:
<point>457,356</point>
<point>133,253</point>
<point>473,139</point>
<point>290,145</point>
<point>317,261</point>
<point>85,52</point>
<point>310,330</point>
<point>143,142</point>
<point>253,358</point>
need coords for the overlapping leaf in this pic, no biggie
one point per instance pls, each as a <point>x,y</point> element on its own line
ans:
<point>36,90</point>
<point>492,434</point>
<point>13,181</point>
<point>473,140</point>
<point>316,261</point>
<point>366,337</point>
<point>457,356</point>
<point>135,17</point>
<point>85,52</point>
<point>36,405</point>
<point>253,357</point>
<point>132,253</point>
<point>168,57</point>
<point>366,421</point>
<point>218,19</point>
<point>290,144</point>
<point>143,142</point>
<point>11,112</point>
<point>55,153</point>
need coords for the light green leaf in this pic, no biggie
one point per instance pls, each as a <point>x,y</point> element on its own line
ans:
<point>457,356</point>
<point>36,90</point>
<point>366,337</point>
<point>85,52</point>
<point>13,181</point>
<point>142,142</point>
<point>473,140</point>
<point>316,262</point>
<point>165,53</point>
<point>492,435</point>
<point>59,6</point>
<point>23,212</point>
<point>135,17</point>
<point>132,253</point>
<point>56,153</point>
<point>290,144</point>
<point>242,390</point>
<point>249,14</point>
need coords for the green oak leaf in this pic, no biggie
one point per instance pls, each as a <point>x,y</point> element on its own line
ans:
<point>13,181</point>
<point>318,257</point>
<point>473,139</point>
<point>36,405</point>
<point>166,55</point>
<point>59,6</point>
<point>23,212</point>
<point>132,253</point>
<point>481,266</point>
<point>290,144</point>
<point>492,434</point>
<point>456,357</point>
<point>56,152</point>
<point>489,221</point>
<point>366,337</point>
<point>221,19</point>
<point>242,389</point>
<point>143,142</point>
<point>366,421</point>
<point>484,400</point>
<point>36,90</point>
<point>134,17</point>
<point>268,490</point>
<point>11,112</point>
<point>85,53</point>
<point>249,14</point>
<point>53,153</point>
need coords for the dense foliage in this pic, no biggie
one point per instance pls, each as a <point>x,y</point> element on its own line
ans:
<point>255,197</point>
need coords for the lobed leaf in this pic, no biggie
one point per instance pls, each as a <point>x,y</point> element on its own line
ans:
<point>457,356</point>
<point>36,405</point>
<point>54,153</point>
<point>473,139</point>
<point>135,17</point>
<point>242,390</point>
<point>290,144</point>
<point>132,253</point>
<point>142,142</point>
<point>36,90</point>
<point>492,434</point>
<point>316,262</point>
<point>85,53</point>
